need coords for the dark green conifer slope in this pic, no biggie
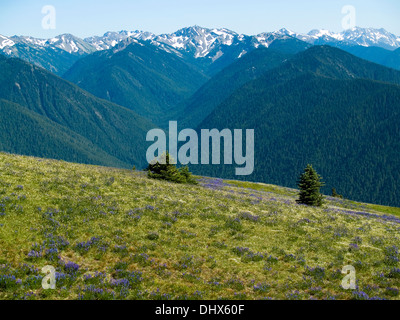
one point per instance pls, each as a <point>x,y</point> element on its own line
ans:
<point>98,131</point>
<point>324,107</point>
<point>140,77</point>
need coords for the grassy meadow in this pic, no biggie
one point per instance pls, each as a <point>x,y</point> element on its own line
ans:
<point>115,234</point>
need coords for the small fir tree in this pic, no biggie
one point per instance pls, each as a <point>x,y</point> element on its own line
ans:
<point>163,169</point>
<point>184,171</point>
<point>310,184</point>
<point>335,194</point>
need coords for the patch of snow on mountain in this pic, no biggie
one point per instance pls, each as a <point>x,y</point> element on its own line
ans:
<point>202,42</point>
<point>242,54</point>
<point>5,42</point>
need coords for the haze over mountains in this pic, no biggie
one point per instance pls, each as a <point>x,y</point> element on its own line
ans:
<point>310,98</point>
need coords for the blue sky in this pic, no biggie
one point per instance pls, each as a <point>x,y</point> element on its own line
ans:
<point>94,17</point>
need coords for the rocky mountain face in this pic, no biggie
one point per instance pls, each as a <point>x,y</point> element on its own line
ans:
<point>58,54</point>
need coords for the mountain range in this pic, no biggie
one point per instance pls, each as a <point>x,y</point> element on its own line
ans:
<point>206,45</point>
<point>322,98</point>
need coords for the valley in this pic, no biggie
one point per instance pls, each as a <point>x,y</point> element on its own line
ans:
<point>199,159</point>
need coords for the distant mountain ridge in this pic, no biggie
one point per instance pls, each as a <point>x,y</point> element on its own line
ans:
<point>367,37</point>
<point>195,41</point>
<point>57,54</point>
<point>308,103</point>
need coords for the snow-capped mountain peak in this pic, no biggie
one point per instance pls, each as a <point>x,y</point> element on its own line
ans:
<point>111,39</point>
<point>355,36</point>
<point>200,42</point>
<point>372,37</point>
<point>70,43</point>
<point>266,38</point>
<point>5,42</point>
<point>65,42</point>
<point>286,32</point>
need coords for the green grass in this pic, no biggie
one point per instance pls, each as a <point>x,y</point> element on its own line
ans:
<point>115,234</point>
<point>385,210</point>
<point>263,187</point>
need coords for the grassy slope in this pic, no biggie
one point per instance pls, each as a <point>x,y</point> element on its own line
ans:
<point>217,240</point>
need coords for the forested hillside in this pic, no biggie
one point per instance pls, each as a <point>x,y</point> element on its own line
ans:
<point>194,110</point>
<point>321,107</point>
<point>70,116</point>
<point>140,77</point>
